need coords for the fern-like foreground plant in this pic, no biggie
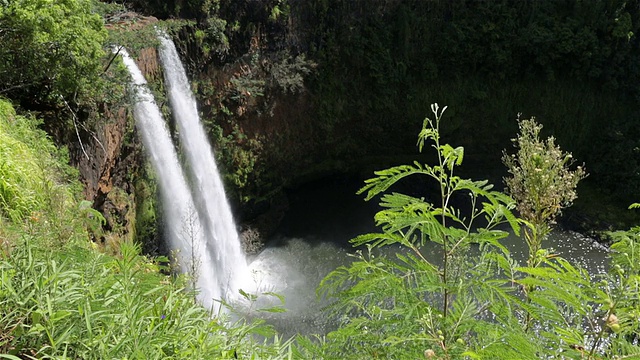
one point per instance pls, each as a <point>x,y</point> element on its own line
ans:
<point>412,306</point>
<point>438,299</point>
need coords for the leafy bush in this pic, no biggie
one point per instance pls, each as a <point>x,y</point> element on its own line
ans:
<point>437,299</point>
<point>31,167</point>
<point>49,49</point>
<point>541,181</point>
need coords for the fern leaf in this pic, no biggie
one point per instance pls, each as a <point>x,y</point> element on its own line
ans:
<point>386,178</point>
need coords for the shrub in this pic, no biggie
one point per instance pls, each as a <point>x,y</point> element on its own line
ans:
<point>437,299</point>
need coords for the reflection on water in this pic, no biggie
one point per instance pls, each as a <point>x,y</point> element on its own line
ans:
<point>313,241</point>
<point>582,250</point>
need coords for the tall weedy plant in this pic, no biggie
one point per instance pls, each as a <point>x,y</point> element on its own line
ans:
<point>427,300</point>
<point>542,183</point>
<point>439,300</point>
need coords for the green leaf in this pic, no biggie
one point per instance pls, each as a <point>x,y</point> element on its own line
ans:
<point>278,296</point>
<point>386,178</point>
<point>273,309</point>
<point>9,357</point>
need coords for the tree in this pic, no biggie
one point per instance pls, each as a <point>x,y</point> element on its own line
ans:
<point>49,49</point>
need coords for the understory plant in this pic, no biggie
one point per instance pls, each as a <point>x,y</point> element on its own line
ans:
<point>542,183</point>
<point>81,304</point>
<point>454,291</point>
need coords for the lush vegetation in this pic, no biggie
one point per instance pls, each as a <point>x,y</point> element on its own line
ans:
<point>368,74</point>
<point>454,291</point>
<point>371,68</point>
<point>571,63</point>
<point>50,51</point>
<point>65,292</point>
<point>541,183</point>
<point>61,296</point>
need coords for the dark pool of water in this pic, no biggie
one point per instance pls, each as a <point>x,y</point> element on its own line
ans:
<point>314,240</point>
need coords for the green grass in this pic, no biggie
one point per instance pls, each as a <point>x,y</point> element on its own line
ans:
<point>61,298</point>
<point>81,304</point>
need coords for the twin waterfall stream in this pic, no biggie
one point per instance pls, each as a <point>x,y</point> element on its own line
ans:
<point>199,224</point>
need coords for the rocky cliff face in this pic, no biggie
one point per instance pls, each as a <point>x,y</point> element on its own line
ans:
<point>112,167</point>
<point>112,144</point>
<point>258,116</point>
<point>107,160</point>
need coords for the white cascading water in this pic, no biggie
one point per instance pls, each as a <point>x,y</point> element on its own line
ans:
<point>178,202</point>
<point>229,263</point>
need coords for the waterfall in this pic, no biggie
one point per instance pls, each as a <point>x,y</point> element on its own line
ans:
<point>223,244</point>
<point>185,231</point>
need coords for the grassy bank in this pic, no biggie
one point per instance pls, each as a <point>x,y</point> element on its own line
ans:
<point>62,296</point>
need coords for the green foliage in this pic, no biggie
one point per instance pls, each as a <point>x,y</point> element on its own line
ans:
<point>207,38</point>
<point>31,167</point>
<point>616,160</point>
<point>62,298</point>
<point>82,304</point>
<point>143,36</point>
<point>146,221</point>
<point>186,9</point>
<point>420,304</point>
<point>240,155</point>
<point>107,9</point>
<point>541,182</point>
<point>49,48</point>
<point>287,72</point>
<point>414,39</point>
<point>436,299</point>
<point>487,60</point>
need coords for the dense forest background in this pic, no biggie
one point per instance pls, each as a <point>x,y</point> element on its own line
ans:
<point>364,73</point>
<point>292,90</point>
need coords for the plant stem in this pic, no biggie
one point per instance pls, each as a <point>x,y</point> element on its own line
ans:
<point>600,333</point>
